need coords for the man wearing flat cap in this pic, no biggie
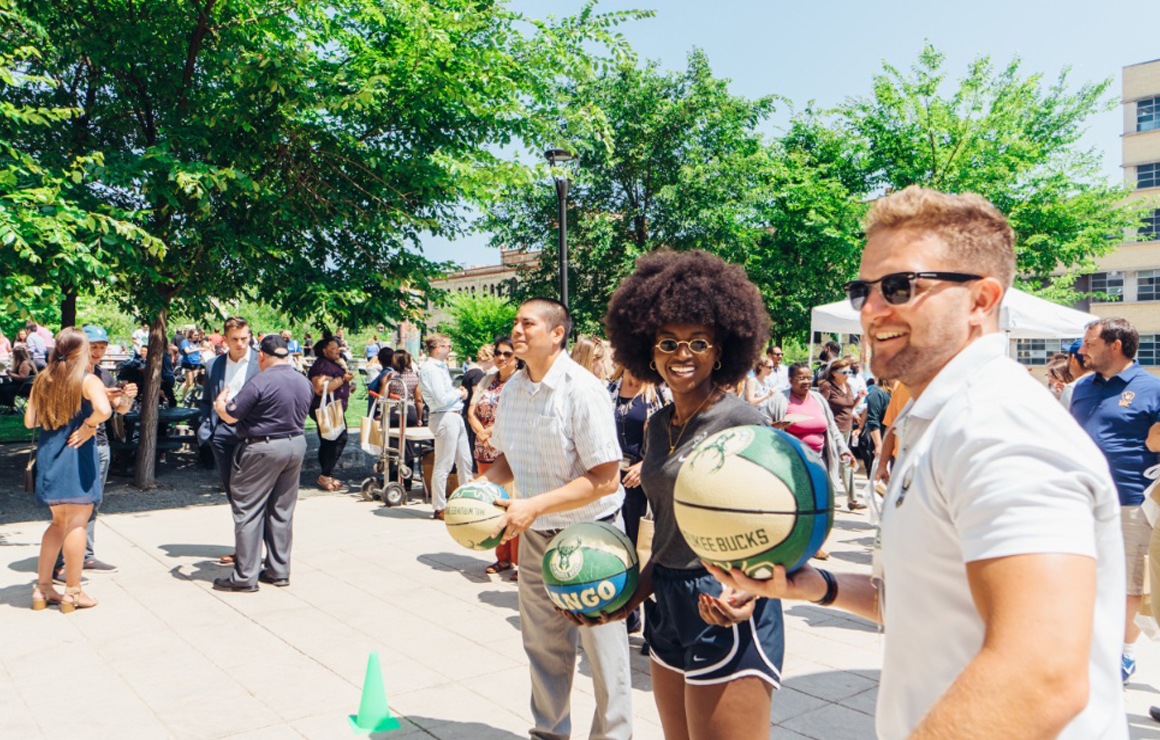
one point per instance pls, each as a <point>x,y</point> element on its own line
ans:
<point>269,413</point>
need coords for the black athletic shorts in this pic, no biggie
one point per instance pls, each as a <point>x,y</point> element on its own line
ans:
<point>681,641</point>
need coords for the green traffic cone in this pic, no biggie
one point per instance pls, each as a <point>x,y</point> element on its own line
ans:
<point>373,713</point>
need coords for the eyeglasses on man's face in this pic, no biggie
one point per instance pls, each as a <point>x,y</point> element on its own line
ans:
<point>696,346</point>
<point>898,288</point>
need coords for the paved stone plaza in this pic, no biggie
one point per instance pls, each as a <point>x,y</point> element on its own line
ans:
<point>164,656</point>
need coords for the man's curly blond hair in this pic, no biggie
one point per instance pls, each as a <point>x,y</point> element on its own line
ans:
<point>977,236</point>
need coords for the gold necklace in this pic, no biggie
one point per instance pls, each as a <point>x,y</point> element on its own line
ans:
<point>672,444</point>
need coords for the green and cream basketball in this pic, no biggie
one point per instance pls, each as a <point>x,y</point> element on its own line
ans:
<point>591,568</point>
<point>471,515</point>
<point>750,497</point>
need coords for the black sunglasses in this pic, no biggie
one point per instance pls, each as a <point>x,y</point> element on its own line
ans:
<point>898,287</point>
<point>509,353</point>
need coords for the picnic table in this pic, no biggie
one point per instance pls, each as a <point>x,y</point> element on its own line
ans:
<point>125,445</point>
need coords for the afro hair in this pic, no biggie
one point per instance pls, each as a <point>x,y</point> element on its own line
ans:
<point>692,287</point>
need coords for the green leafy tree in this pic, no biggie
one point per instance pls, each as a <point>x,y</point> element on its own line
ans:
<point>294,151</point>
<point>1008,136</point>
<point>477,320</point>
<point>676,162</point>
<point>52,238</point>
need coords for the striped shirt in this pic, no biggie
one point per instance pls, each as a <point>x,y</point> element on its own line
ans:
<point>555,431</point>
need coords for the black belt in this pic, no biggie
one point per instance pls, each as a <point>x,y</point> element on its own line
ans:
<point>553,532</point>
<point>270,438</point>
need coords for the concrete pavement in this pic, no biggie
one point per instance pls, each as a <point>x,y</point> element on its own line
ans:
<point>164,656</point>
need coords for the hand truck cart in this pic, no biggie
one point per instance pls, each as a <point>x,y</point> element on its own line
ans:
<point>392,448</point>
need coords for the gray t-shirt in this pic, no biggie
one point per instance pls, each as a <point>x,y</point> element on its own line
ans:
<point>660,468</point>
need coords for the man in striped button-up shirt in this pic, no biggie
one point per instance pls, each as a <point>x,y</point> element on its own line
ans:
<point>557,438</point>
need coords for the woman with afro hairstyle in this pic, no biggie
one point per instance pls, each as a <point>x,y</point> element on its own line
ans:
<point>696,323</point>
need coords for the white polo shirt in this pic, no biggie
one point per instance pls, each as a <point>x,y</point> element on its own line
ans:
<point>990,465</point>
<point>555,431</point>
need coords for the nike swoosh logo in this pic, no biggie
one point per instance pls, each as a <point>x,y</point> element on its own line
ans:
<point>698,659</point>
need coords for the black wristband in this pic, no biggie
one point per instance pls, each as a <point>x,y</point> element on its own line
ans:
<point>831,588</point>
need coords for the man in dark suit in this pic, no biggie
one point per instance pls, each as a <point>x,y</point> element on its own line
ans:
<point>229,373</point>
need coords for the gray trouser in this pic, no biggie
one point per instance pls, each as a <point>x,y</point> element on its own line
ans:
<point>222,443</point>
<point>104,455</point>
<point>550,642</point>
<point>263,493</point>
<point>450,449</point>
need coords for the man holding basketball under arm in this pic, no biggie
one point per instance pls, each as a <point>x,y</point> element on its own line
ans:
<point>999,573</point>
<point>557,441</point>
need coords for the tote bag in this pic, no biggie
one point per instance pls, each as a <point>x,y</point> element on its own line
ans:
<point>371,431</point>
<point>331,418</point>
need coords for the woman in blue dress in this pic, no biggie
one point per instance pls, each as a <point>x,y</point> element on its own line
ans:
<point>69,404</point>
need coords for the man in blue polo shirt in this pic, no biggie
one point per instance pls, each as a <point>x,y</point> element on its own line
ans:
<point>1119,406</point>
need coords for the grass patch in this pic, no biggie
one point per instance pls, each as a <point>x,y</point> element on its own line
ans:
<point>12,425</point>
<point>12,428</point>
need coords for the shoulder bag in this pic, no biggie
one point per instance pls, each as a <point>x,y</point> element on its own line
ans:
<point>330,416</point>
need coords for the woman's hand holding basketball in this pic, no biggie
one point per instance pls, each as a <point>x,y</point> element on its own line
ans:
<point>726,610</point>
<point>806,583</point>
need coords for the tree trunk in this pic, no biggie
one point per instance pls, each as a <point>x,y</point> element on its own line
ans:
<point>68,308</point>
<point>143,474</point>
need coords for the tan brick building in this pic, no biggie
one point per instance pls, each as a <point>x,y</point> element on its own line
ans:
<point>497,280</point>
<point>1130,275</point>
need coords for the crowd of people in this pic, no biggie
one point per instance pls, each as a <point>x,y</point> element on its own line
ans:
<point>1014,534</point>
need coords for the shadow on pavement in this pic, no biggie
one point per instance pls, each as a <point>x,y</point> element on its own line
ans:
<point>1143,728</point>
<point>503,599</point>
<point>441,728</point>
<point>18,596</point>
<point>468,567</point>
<point>206,570</point>
<point>815,616</point>
<point>196,551</point>
<point>27,565</point>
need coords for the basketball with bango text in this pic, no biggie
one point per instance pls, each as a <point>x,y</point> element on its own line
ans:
<point>750,497</point>
<point>590,568</point>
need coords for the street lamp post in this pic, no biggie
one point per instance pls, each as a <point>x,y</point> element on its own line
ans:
<point>557,157</point>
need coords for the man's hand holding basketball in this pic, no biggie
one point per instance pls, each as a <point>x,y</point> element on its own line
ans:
<point>520,514</point>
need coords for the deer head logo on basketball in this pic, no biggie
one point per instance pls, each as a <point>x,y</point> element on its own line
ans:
<point>720,446</point>
<point>568,560</point>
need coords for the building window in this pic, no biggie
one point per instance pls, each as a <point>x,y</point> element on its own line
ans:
<point>1148,114</point>
<point>1109,283</point>
<point>1150,228</point>
<point>1039,351</point>
<point>1148,175</point>
<point>1147,354</point>
<point>1148,285</point>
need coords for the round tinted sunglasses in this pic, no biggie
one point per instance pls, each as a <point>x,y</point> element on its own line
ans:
<point>898,287</point>
<point>696,346</point>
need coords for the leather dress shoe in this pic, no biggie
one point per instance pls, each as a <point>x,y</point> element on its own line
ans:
<point>438,515</point>
<point>265,577</point>
<point>228,584</point>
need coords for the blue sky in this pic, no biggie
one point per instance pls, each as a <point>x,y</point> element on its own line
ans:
<point>828,51</point>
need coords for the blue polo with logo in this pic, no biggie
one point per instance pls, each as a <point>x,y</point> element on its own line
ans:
<point>1118,412</point>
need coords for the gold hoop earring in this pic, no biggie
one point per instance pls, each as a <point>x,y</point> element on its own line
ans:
<point>652,365</point>
<point>717,365</point>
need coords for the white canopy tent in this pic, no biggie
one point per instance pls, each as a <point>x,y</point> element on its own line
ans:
<point>1022,316</point>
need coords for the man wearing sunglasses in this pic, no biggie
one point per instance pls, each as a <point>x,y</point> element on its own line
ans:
<point>998,573</point>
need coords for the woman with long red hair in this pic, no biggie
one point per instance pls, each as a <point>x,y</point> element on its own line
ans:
<point>68,403</point>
